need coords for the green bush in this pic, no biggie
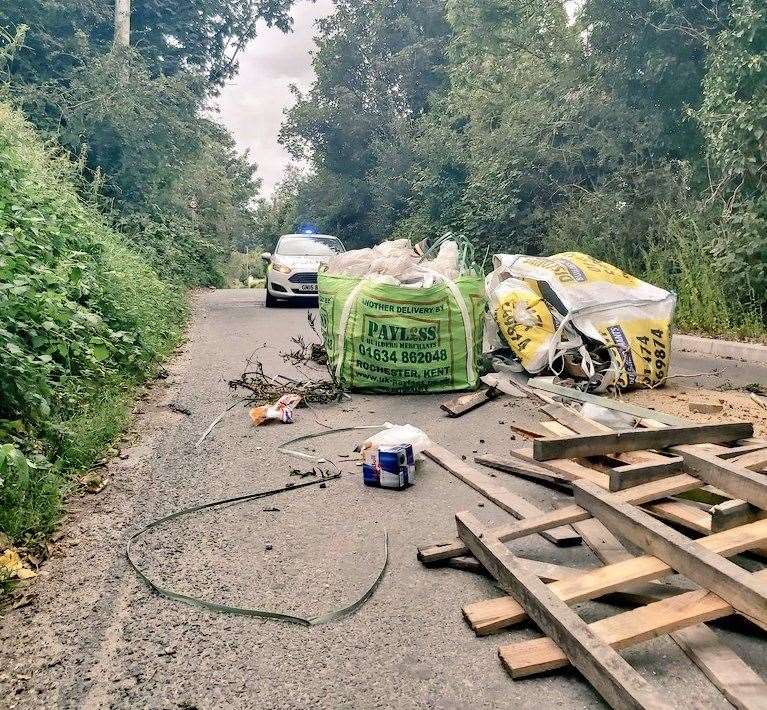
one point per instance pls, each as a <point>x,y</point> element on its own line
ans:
<point>82,319</point>
<point>246,270</point>
<point>651,227</point>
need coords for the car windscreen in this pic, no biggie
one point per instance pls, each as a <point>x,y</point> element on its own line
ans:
<point>309,246</point>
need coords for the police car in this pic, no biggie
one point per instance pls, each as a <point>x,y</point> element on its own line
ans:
<point>292,269</point>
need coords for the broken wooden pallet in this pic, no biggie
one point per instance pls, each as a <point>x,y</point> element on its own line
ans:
<point>502,497</point>
<point>727,588</point>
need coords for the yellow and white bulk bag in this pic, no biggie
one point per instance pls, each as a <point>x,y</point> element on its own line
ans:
<point>525,322</point>
<point>628,316</point>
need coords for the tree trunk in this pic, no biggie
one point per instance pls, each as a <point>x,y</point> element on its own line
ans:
<point>122,23</point>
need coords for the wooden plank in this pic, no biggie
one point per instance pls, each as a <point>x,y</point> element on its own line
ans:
<point>503,383</point>
<point>610,675</point>
<point>556,429</point>
<point>706,568</point>
<point>466,563</point>
<point>623,477</point>
<point>565,467</point>
<point>430,554</point>
<point>736,680</point>
<point>531,430</point>
<point>602,542</point>
<point>545,384</point>
<point>731,478</point>
<point>733,513</point>
<point>624,630</point>
<point>545,571</point>
<point>637,439</point>
<point>573,420</point>
<point>489,616</point>
<point>728,672</point>
<point>466,402</point>
<point>682,514</point>
<point>755,460</point>
<point>502,497</point>
<point>611,578</point>
<point>736,451</point>
<point>609,549</point>
<point>521,468</point>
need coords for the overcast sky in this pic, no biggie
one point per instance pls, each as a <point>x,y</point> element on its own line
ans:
<point>252,105</point>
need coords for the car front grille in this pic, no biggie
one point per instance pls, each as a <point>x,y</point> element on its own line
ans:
<point>304,278</point>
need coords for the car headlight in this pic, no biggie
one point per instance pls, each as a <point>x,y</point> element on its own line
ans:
<point>281,268</point>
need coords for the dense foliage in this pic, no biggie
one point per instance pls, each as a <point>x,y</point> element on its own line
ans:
<point>81,316</point>
<point>636,131</point>
<point>116,192</point>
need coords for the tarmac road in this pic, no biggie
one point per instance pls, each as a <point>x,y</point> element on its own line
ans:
<point>94,636</point>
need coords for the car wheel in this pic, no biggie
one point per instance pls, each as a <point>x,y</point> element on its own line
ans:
<point>271,301</point>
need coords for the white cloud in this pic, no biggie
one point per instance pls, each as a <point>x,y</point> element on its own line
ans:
<point>252,104</point>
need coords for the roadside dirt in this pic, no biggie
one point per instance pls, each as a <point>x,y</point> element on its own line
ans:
<point>680,400</point>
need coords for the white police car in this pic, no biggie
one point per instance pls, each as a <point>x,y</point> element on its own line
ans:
<point>292,270</point>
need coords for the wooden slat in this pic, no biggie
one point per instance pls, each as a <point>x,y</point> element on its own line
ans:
<point>545,571</point>
<point>611,578</point>
<point>573,420</point>
<point>564,467</point>
<point>521,468</point>
<point>637,439</point>
<point>755,460</point>
<point>429,554</point>
<point>736,680</point>
<point>737,451</point>
<point>557,429</point>
<point>727,671</point>
<point>688,557</point>
<point>503,383</point>
<point>684,514</point>
<point>611,676</point>
<point>731,478</point>
<point>502,497</point>
<point>547,385</point>
<point>467,402</point>
<point>623,477</point>
<point>624,630</point>
<point>531,430</point>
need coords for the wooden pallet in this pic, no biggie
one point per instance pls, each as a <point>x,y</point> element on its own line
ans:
<point>631,498</point>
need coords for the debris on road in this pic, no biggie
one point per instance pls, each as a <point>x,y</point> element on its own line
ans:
<point>12,566</point>
<point>264,388</point>
<point>94,481</point>
<point>467,402</point>
<point>630,482</point>
<point>249,611</point>
<point>389,457</point>
<point>705,408</point>
<point>572,314</point>
<point>280,411</point>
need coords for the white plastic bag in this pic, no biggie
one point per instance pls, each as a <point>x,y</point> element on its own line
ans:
<point>395,434</point>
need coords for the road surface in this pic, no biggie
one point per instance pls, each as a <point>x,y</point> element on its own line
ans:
<point>94,636</point>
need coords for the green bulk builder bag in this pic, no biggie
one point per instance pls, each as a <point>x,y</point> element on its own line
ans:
<point>384,338</point>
